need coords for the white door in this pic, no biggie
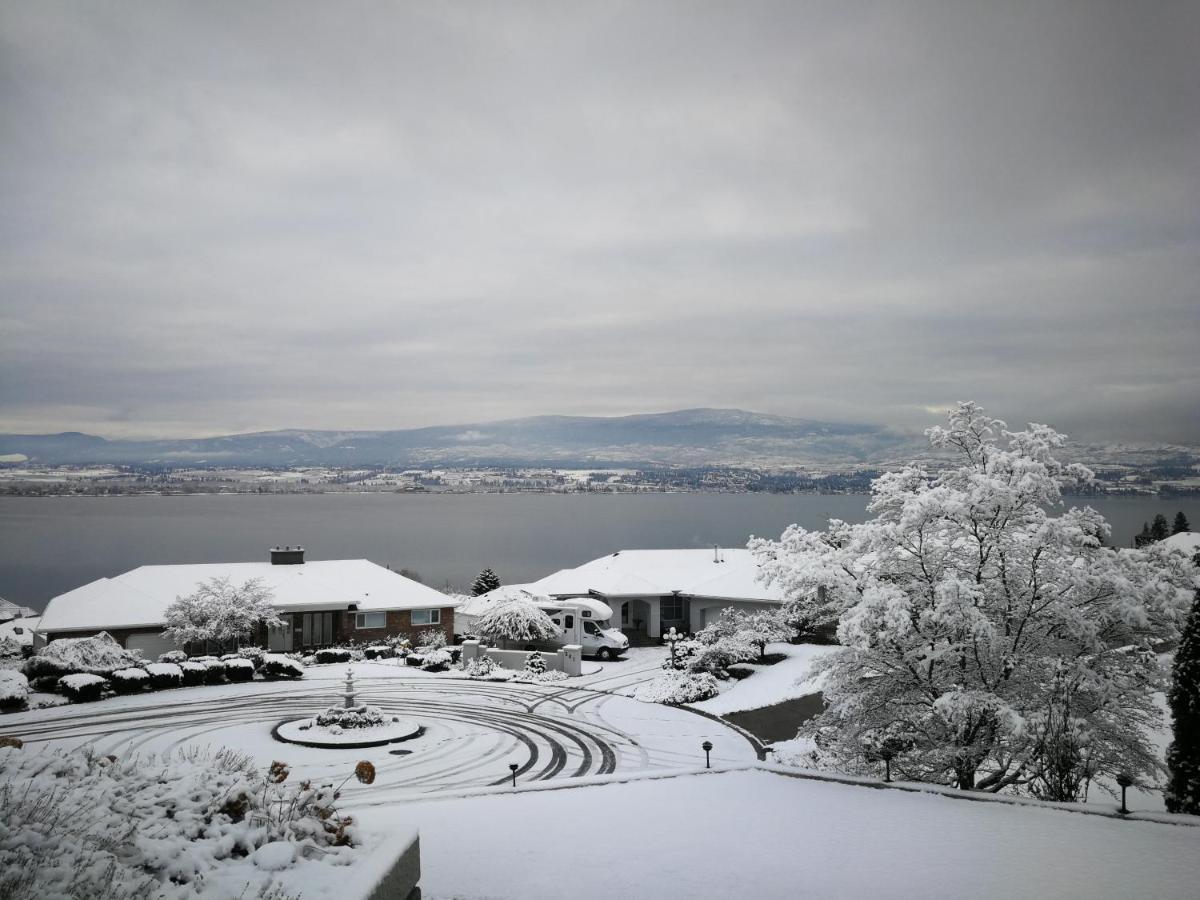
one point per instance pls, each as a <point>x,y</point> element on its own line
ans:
<point>151,645</point>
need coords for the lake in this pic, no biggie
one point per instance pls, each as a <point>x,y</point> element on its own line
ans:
<point>53,544</point>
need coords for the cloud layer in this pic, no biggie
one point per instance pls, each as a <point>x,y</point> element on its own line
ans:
<point>227,216</point>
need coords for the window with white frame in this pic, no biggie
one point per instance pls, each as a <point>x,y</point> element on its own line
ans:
<point>427,617</point>
<point>370,620</point>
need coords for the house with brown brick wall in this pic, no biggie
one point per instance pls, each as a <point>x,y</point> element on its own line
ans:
<point>321,603</point>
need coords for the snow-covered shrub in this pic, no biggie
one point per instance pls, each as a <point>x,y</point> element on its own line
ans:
<point>164,675</point>
<point>14,689</point>
<point>194,673</point>
<point>173,656</point>
<point>88,827</point>
<point>276,665</point>
<point>332,655</point>
<point>535,663</point>
<point>350,717</point>
<point>238,669</point>
<point>130,681</point>
<point>378,651</point>
<point>516,620</point>
<point>485,668</point>
<point>716,658</point>
<point>214,669</point>
<point>436,660</point>
<point>546,677</point>
<point>674,688</point>
<point>10,649</point>
<point>82,687</point>
<point>254,654</point>
<point>98,655</point>
<point>400,645</point>
<point>431,639</point>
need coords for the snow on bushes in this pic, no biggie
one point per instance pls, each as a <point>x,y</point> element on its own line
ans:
<point>74,824</point>
<point>173,656</point>
<point>10,649</point>
<point>82,687</point>
<point>332,655</point>
<point>484,668</point>
<point>130,681</point>
<point>276,665</point>
<point>238,669</point>
<point>674,688</point>
<point>164,675</point>
<point>14,689</point>
<point>436,660</point>
<point>350,717</point>
<point>98,655</point>
<point>431,639</point>
<point>378,651</point>
<point>194,673</point>
<point>535,663</point>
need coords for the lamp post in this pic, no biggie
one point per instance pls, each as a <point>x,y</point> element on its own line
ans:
<point>1124,780</point>
<point>707,748</point>
<point>512,767</point>
<point>671,638</point>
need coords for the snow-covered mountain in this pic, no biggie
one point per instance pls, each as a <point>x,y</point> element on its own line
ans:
<point>684,437</point>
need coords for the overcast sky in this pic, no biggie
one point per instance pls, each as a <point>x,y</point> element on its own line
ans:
<point>236,216</point>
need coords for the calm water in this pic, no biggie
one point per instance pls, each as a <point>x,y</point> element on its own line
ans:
<point>51,545</point>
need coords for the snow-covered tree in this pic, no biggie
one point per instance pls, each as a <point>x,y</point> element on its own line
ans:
<point>515,620</point>
<point>1009,646</point>
<point>220,612</point>
<point>756,627</point>
<point>485,581</point>
<point>1183,755</point>
<point>1181,523</point>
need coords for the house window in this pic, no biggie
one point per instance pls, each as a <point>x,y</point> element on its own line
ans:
<point>370,620</point>
<point>671,609</point>
<point>427,617</point>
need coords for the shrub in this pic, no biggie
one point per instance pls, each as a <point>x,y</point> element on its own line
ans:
<point>402,646</point>
<point>350,717</point>
<point>332,655</point>
<point>413,659</point>
<point>173,656</point>
<point>164,675</point>
<point>535,663</point>
<point>674,688</point>
<point>194,673</point>
<point>716,658</point>
<point>437,661</point>
<point>214,671</point>
<point>130,681</point>
<point>432,639</point>
<point>485,668</point>
<point>14,689</point>
<point>82,687</point>
<point>99,655</point>
<point>254,654</point>
<point>10,649</point>
<point>238,669</point>
<point>276,665</point>
<point>378,651</point>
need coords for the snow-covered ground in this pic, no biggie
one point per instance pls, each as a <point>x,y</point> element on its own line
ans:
<point>761,835</point>
<point>785,680</point>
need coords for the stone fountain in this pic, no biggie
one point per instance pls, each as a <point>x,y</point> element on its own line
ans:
<point>347,726</point>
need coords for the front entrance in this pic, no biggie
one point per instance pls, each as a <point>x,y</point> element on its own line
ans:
<point>318,629</point>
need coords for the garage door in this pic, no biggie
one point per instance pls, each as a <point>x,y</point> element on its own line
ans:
<point>151,645</point>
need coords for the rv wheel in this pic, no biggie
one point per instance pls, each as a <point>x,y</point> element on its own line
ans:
<point>604,653</point>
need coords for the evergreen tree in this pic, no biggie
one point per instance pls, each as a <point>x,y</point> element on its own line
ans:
<point>1181,523</point>
<point>485,581</point>
<point>1182,794</point>
<point>1159,528</point>
<point>1143,537</point>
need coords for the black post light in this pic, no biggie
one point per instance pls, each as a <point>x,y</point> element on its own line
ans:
<point>1124,780</point>
<point>512,767</point>
<point>707,748</point>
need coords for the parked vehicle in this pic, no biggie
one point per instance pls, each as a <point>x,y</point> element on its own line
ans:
<point>586,622</point>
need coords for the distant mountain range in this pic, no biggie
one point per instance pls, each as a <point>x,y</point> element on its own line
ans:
<point>700,437</point>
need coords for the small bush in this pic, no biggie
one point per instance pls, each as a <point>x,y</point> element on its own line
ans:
<point>535,663</point>
<point>674,688</point>
<point>99,655</point>
<point>214,672</point>
<point>254,654</point>
<point>276,665</point>
<point>436,661</point>
<point>350,717</point>
<point>164,675</point>
<point>332,655</point>
<point>194,673</point>
<point>174,657</point>
<point>413,659</point>
<point>239,669</point>
<point>82,688</point>
<point>378,651</point>
<point>402,646</point>
<point>485,668</point>
<point>14,689</point>
<point>432,639</point>
<point>130,681</point>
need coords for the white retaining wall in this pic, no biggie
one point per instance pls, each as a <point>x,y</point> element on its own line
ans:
<point>568,659</point>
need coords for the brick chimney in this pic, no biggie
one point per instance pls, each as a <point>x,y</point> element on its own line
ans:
<point>287,556</point>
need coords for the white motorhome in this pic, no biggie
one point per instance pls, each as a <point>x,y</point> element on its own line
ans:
<point>585,622</point>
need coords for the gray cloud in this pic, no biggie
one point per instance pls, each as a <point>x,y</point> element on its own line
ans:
<point>230,216</point>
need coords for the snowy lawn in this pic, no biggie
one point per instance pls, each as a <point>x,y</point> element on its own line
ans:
<point>771,684</point>
<point>756,834</point>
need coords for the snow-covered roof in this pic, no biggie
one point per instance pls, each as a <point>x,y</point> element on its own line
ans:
<point>20,630</point>
<point>140,597</point>
<point>724,574</point>
<point>1187,541</point>
<point>10,610</point>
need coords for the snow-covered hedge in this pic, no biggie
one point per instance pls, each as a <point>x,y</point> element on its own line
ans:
<point>350,717</point>
<point>214,668</point>
<point>194,673</point>
<point>436,660</point>
<point>10,649</point>
<point>82,687</point>
<point>98,655</point>
<point>238,669</point>
<point>254,654</point>
<point>332,655</point>
<point>674,688</point>
<point>130,681</point>
<point>164,675</point>
<point>173,656</point>
<point>276,665</point>
<point>484,668</point>
<point>378,651</point>
<point>81,826</point>
<point>14,689</point>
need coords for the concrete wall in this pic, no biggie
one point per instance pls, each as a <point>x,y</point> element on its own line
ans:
<point>569,659</point>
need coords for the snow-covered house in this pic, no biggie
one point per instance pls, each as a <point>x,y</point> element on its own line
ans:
<point>321,602</point>
<point>10,611</point>
<point>654,590</point>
